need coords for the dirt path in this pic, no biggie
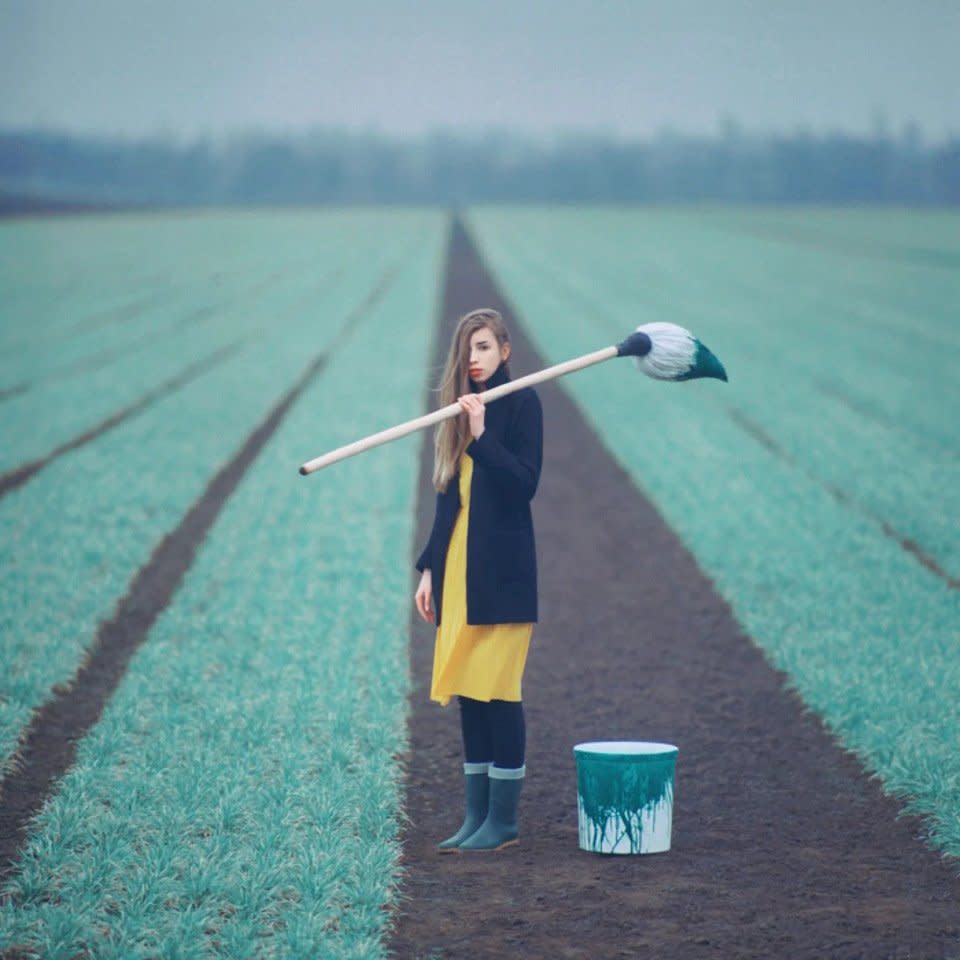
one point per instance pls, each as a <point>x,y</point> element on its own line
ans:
<point>781,845</point>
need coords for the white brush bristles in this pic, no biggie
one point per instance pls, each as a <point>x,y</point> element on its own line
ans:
<point>672,351</point>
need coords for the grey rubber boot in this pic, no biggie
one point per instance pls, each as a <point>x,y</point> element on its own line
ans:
<point>478,797</point>
<point>500,829</point>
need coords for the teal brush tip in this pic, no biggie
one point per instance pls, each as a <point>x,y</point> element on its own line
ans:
<point>705,364</point>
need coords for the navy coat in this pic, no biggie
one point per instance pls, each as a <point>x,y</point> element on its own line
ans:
<point>501,553</point>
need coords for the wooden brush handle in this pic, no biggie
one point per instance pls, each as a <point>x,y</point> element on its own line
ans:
<point>444,413</point>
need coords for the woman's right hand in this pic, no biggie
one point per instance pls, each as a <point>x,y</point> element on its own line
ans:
<point>424,596</point>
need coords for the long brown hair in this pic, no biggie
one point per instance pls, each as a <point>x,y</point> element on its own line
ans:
<point>453,435</point>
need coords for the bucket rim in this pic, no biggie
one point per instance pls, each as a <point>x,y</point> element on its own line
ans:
<point>625,748</point>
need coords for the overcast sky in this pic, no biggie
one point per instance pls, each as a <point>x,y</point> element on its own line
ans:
<point>633,68</point>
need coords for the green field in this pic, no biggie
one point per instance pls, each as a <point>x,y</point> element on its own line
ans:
<point>241,794</point>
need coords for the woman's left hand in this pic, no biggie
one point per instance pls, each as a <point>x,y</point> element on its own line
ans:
<point>473,407</point>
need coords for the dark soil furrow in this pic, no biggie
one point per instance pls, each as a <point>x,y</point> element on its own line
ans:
<point>109,355</point>
<point>800,235</point>
<point>782,845</point>
<point>8,393</point>
<point>907,544</point>
<point>17,477</point>
<point>122,313</point>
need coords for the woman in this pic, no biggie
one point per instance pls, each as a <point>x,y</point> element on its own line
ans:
<point>478,573</point>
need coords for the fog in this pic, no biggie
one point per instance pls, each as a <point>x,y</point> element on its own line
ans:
<point>630,69</point>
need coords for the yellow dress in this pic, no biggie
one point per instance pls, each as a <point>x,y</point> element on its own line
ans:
<point>483,662</point>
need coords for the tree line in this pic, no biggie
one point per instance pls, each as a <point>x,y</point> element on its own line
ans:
<point>40,168</point>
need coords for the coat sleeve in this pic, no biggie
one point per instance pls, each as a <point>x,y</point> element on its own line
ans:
<point>517,468</point>
<point>447,504</point>
<point>425,560</point>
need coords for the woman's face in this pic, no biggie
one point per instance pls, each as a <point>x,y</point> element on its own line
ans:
<point>485,355</point>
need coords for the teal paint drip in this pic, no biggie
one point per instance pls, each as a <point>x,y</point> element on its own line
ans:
<point>625,796</point>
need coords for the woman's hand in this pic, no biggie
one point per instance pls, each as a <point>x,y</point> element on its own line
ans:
<point>424,596</point>
<point>474,408</point>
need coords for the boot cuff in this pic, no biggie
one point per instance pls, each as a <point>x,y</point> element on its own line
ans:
<point>506,773</point>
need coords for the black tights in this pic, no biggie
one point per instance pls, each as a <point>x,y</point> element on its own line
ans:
<point>493,732</point>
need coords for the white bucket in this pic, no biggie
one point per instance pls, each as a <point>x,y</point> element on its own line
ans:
<point>625,795</point>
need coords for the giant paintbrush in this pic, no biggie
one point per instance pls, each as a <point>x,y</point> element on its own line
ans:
<point>663,351</point>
